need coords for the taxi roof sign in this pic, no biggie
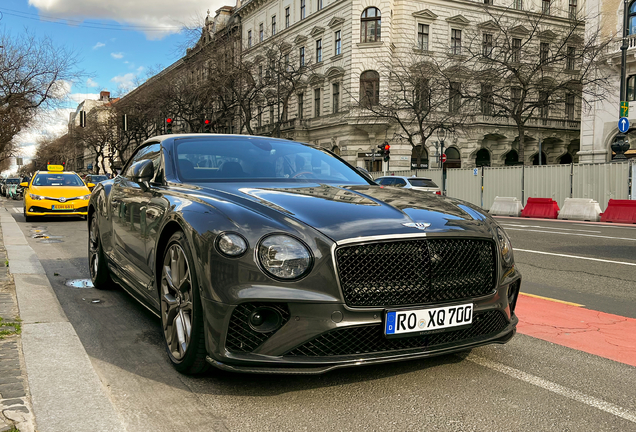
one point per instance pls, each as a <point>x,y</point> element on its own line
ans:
<point>55,168</point>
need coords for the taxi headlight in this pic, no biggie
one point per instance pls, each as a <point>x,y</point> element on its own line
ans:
<point>284,257</point>
<point>85,197</point>
<point>36,197</point>
<point>504,246</point>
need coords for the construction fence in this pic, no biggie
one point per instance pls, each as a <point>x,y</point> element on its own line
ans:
<point>600,182</point>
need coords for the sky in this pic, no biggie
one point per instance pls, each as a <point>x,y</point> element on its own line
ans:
<point>119,42</point>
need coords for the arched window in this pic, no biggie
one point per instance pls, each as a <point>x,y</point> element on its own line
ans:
<point>370,25</point>
<point>512,158</point>
<point>423,158</point>
<point>453,158</point>
<point>482,158</point>
<point>566,159</point>
<point>535,160</point>
<point>369,88</point>
<point>632,18</point>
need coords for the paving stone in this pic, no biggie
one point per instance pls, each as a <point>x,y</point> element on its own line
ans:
<point>22,409</point>
<point>9,380</point>
<point>8,402</point>
<point>12,393</point>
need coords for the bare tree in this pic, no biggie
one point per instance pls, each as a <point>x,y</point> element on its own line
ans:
<point>528,66</point>
<point>33,73</point>
<point>99,135</point>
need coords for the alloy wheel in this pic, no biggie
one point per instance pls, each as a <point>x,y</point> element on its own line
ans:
<point>94,248</point>
<point>176,301</point>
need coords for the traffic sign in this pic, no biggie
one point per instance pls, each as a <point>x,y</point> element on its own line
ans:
<point>443,157</point>
<point>623,125</point>
<point>624,109</point>
<point>475,171</point>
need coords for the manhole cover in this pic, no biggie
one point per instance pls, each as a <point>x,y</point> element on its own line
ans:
<point>48,240</point>
<point>79,283</point>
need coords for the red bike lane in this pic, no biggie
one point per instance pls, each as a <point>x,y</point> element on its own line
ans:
<point>599,333</point>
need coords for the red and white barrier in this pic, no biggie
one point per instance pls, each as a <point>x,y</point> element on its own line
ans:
<point>543,208</point>
<point>620,211</point>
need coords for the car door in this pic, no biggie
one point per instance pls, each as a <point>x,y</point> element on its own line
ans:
<point>128,203</point>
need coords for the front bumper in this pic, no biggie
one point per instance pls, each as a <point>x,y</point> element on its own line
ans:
<point>45,208</point>
<point>319,337</point>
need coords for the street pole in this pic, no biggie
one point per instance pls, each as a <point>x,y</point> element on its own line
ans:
<point>624,47</point>
<point>443,170</point>
<point>540,153</point>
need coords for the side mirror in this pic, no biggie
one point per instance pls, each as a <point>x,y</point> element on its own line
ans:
<point>24,184</point>
<point>90,185</point>
<point>142,173</point>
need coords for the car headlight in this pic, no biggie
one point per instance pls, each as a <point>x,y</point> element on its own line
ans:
<point>231,244</point>
<point>284,257</point>
<point>36,197</point>
<point>505,247</point>
<point>85,197</point>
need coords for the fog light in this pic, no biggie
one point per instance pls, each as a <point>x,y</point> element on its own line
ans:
<point>31,209</point>
<point>265,320</point>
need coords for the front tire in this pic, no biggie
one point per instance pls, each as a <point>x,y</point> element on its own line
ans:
<point>181,310</point>
<point>100,275</point>
<point>26,216</point>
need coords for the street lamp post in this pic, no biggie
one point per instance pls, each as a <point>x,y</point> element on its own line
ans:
<point>441,136</point>
<point>621,143</point>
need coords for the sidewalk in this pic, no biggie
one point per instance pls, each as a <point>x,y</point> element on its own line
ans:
<point>65,391</point>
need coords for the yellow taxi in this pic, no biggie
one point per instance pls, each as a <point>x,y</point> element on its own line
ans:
<point>55,192</point>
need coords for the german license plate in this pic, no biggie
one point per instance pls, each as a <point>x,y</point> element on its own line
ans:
<point>402,322</point>
<point>62,207</point>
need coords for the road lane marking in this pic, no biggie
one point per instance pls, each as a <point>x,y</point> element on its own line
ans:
<point>572,234</point>
<point>575,256</point>
<point>552,228</point>
<point>17,209</point>
<point>551,299</point>
<point>576,395</point>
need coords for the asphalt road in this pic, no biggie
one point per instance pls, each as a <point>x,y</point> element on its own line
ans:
<point>526,385</point>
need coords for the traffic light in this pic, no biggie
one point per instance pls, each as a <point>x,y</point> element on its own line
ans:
<point>387,151</point>
<point>381,149</point>
<point>207,124</point>
<point>169,122</point>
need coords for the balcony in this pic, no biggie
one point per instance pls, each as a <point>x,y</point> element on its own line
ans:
<point>614,49</point>
<point>550,123</point>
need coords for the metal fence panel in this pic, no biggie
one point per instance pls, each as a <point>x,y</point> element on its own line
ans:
<point>463,184</point>
<point>601,182</point>
<point>501,181</point>
<point>548,181</point>
<point>632,181</point>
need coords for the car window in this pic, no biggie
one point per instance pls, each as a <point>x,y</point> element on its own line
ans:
<point>384,181</point>
<point>254,158</point>
<point>96,179</point>
<point>50,179</point>
<point>422,183</point>
<point>151,152</point>
<point>400,182</point>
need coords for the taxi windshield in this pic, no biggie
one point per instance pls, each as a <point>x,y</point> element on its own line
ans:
<point>49,179</point>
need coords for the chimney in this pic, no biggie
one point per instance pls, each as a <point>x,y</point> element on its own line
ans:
<point>104,96</point>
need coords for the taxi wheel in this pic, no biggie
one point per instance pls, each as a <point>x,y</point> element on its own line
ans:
<point>26,216</point>
<point>98,267</point>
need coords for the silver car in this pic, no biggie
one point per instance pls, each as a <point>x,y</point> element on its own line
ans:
<point>418,183</point>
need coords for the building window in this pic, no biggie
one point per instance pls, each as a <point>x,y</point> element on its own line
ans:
<point>370,25</point>
<point>318,50</point>
<point>301,55</point>
<point>249,38</point>
<point>422,95</point>
<point>573,9</point>
<point>518,4</point>
<point>569,106</point>
<point>286,17</point>
<point>570,62</point>
<point>369,88</point>
<point>515,96</point>
<point>455,97</point>
<point>487,99</point>
<point>302,9</point>
<point>286,62</point>
<point>260,74</point>
<point>273,25</point>
<point>271,114</point>
<point>456,41</point>
<point>488,2</point>
<point>422,37</point>
<point>487,45</point>
<point>301,105</point>
<point>544,52</point>
<point>260,32</point>
<point>631,92</point>
<point>516,51</point>
<point>632,18</point>
<point>335,95</point>
<point>259,117</point>
<point>545,7</point>
<point>319,5</point>
<point>544,109</point>
<point>338,44</point>
<point>317,102</point>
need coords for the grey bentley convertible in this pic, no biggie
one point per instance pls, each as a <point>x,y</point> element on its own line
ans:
<point>268,255</point>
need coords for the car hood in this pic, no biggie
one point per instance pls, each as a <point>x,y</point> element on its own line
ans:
<point>59,191</point>
<point>345,212</point>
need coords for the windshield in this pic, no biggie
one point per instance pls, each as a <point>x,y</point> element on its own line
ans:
<point>422,183</point>
<point>97,178</point>
<point>57,180</point>
<point>259,159</point>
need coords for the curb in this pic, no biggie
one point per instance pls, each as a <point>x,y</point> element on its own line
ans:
<point>610,224</point>
<point>66,392</point>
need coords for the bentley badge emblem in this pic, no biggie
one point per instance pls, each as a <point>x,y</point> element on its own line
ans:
<point>62,199</point>
<point>419,225</point>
